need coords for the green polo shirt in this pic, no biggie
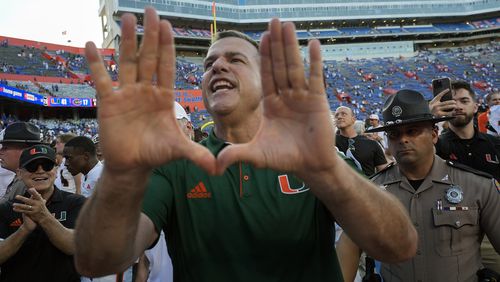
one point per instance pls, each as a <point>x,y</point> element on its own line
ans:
<point>247,225</point>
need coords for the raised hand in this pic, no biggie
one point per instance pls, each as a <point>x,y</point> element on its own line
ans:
<point>444,108</point>
<point>34,207</point>
<point>296,133</point>
<point>137,126</point>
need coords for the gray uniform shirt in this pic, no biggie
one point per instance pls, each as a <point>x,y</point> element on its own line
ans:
<point>449,235</point>
<point>16,187</point>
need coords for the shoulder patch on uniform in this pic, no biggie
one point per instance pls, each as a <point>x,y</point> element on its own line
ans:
<point>469,169</point>
<point>390,165</point>
<point>497,185</point>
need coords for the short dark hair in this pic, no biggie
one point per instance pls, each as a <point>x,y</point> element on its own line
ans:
<point>237,34</point>
<point>65,137</point>
<point>460,84</point>
<point>83,143</point>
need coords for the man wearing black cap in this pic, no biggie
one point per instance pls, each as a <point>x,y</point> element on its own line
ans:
<point>17,136</point>
<point>36,228</point>
<point>451,206</point>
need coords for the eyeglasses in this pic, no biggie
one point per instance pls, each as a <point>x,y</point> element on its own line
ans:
<point>33,166</point>
<point>351,144</point>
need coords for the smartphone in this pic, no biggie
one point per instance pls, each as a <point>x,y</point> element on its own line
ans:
<point>439,85</point>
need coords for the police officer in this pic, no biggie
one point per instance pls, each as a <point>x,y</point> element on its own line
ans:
<point>452,206</point>
<point>17,137</point>
<point>464,143</point>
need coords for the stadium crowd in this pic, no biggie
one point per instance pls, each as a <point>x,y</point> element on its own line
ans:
<point>151,206</point>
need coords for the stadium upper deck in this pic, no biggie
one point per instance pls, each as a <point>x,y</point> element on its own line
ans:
<point>252,11</point>
<point>343,20</point>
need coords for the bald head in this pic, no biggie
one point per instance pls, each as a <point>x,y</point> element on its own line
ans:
<point>344,117</point>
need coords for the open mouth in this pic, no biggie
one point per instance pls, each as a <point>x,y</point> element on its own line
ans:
<point>40,179</point>
<point>221,84</point>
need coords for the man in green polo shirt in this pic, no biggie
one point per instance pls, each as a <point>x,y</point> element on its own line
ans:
<point>257,200</point>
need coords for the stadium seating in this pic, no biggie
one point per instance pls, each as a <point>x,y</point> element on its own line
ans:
<point>26,60</point>
<point>360,83</point>
<point>363,83</point>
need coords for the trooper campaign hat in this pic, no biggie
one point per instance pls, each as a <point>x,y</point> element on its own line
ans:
<point>406,107</point>
<point>21,132</point>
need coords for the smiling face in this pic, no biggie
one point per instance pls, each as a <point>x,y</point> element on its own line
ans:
<point>231,81</point>
<point>39,174</point>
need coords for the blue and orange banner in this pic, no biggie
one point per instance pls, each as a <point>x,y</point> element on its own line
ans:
<point>191,98</point>
<point>188,97</point>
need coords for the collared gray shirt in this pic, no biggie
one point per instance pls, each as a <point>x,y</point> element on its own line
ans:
<point>449,234</point>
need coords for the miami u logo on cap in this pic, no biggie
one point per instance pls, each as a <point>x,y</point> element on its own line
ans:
<point>34,151</point>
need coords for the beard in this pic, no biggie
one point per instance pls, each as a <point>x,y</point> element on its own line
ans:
<point>461,121</point>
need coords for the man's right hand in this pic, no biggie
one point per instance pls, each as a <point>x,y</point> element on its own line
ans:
<point>28,223</point>
<point>137,126</point>
<point>440,109</point>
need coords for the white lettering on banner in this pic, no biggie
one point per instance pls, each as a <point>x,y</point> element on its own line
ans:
<point>13,93</point>
<point>29,97</point>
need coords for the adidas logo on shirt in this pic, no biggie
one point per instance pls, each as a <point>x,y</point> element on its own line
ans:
<point>199,192</point>
<point>16,223</point>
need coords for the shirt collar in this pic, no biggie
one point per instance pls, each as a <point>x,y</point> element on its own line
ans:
<point>214,144</point>
<point>56,196</point>
<point>438,173</point>
<point>477,134</point>
<point>94,170</point>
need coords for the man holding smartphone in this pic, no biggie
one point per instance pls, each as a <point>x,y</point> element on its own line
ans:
<point>464,144</point>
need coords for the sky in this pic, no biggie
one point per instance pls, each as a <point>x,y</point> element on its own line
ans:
<point>46,20</point>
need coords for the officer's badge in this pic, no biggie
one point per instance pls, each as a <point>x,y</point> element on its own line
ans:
<point>454,194</point>
<point>397,111</point>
